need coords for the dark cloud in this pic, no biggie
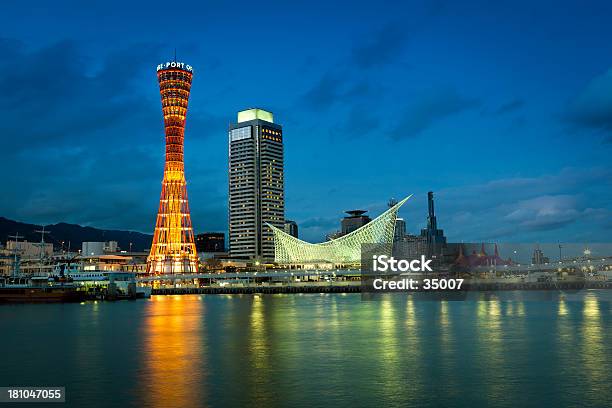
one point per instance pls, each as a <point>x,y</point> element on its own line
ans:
<point>360,121</point>
<point>325,92</point>
<point>83,139</point>
<point>54,91</point>
<point>335,87</point>
<point>510,107</point>
<point>382,47</point>
<point>340,83</point>
<point>430,108</point>
<point>592,107</point>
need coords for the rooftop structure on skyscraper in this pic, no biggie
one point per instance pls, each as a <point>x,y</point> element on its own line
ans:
<point>355,220</point>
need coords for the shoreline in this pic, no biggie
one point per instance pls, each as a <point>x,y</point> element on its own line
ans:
<point>357,288</point>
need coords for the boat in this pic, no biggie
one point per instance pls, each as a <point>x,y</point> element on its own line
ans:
<point>38,290</point>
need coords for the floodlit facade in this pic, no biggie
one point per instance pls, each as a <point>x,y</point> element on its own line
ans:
<point>345,250</point>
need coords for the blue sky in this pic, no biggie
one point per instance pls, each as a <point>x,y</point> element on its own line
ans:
<point>504,109</point>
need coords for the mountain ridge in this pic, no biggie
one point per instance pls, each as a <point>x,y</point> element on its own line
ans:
<point>74,234</point>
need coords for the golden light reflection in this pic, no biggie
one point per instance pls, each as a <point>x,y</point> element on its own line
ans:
<point>447,348</point>
<point>562,308</point>
<point>258,344</point>
<point>509,308</point>
<point>594,352</point>
<point>490,339</point>
<point>387,348</point>
<point>174,367</point>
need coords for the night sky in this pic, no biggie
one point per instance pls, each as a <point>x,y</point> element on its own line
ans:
<point>503,109</point>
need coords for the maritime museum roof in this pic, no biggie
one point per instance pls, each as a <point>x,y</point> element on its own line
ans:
<point>343,250</point>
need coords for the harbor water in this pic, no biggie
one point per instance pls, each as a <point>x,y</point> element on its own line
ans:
<point>309,350</point>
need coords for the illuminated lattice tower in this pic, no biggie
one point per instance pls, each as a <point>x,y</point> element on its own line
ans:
<point>173,249</point>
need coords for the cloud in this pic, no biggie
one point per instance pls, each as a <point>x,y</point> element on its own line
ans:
<point>545,212</point>
<point>360,121</point>
<point>324,92</point>
<point>510,107</point>
<point>340,83</point>
<point>54,91</point>
<point>430,108</point>
<point>83,139</point>
<point>381,48</point>
<point>558,206</point>
<point>592,107</point>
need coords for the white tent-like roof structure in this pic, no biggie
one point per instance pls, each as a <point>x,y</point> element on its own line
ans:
<point>343,250</point>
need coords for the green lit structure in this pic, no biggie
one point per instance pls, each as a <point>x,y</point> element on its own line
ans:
<point>345,250</point>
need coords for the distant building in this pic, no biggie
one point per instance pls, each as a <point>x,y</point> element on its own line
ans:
<point>291,228</point>
<point>111,246</point>
<point>400,230</point>
<point>256,185</point>
<point>435,237</point>
<point>99,248</point>
<point>92,248</point>
<point>400,224</point>
<point>538,257</point>
<point>210,242</point>
<point>355,219</point>
<point>411,247</point>
<point>28,249</point>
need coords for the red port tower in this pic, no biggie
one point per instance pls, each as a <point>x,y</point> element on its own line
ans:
<point>173,249</point>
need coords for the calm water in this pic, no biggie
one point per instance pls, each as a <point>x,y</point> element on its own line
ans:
<point>313,350</point>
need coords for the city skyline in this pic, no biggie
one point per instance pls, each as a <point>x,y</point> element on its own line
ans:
<point>509,127</point>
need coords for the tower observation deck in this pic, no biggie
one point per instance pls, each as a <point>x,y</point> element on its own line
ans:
<point>173,249</point>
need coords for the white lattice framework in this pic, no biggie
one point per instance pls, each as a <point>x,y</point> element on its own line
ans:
<point>343,250</point>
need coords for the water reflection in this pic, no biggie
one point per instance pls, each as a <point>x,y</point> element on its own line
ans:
<point>173,372</point>
<point>397,351</point>
<point>596,360</point>
<point>491,339</point>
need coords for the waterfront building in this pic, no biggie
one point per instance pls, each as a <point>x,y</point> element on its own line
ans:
<point>210,242</point>
<point>173,249</point>
<point>27,249</point>
<point>345,250</point>
<point>89,248</point>
<point>291,228</point>
<point>256,185</point>
<point>435,238</point>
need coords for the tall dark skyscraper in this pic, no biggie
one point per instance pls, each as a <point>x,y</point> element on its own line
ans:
<point>291,228</point>
<point>435,237</point>
<point>256,185</point>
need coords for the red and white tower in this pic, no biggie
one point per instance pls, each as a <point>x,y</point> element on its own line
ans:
<point>173,249</point>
